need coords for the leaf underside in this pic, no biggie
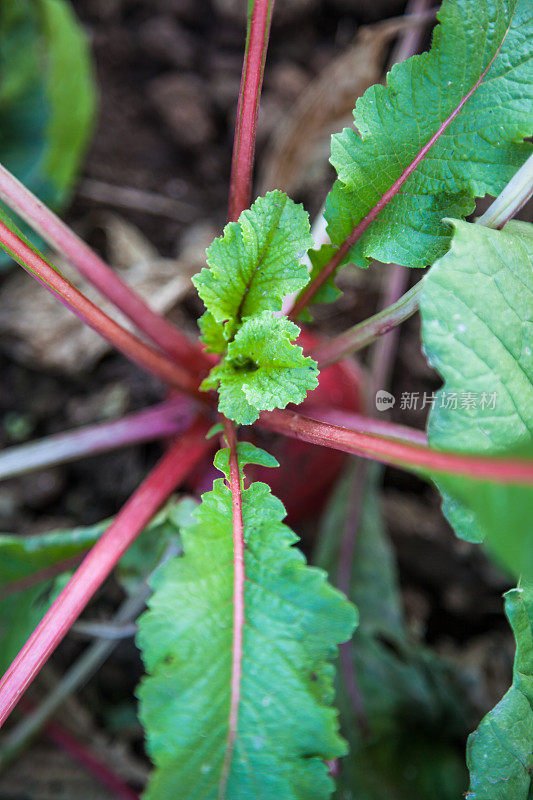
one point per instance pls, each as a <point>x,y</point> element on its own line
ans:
<point>293,621</point>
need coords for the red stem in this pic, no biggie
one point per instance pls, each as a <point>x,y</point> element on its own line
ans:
<point>171,470</point>
<point>97,272</point>
<point>397,453</point>
<point>239,199</point>
<point>310,291</point>
<point>364,424</point>
<point>238,603</point>
<point>248,107</point>
<point>166,419</point>
<point>128,344</point>
<point>90,762</point>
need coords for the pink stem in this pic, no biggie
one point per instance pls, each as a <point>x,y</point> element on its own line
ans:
<point>397,453</point>
<point>96,271</point>
<point>90,762</point>
<point>310,291</point>
<point>238,603</point>
<point>128,344</point>
<point>239,199</point>
<point>171,470</point>
<point>248,107</point>
<point>166,419</point>
<point>364,424</point>
<point>366,332</point>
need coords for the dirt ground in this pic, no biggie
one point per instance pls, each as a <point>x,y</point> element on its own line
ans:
<point>168,75</point>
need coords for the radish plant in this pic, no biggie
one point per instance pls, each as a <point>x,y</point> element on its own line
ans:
<point>240,634</point>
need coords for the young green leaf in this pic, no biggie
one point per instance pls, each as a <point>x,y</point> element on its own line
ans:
<point>253,265</point>
<point>500,751</point>
<point>477,328</point>
<point>247,453</point>
<point>446,128</point>
<point>262,369</point>
<point>293,619</point>
<point>328,292</point>
<point>47,96</point>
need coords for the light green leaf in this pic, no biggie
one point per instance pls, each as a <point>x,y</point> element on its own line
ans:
<point>262,370</point>
<point>477,329</point>
<point>47,96</point>
<point>500,751</point>
<point>212,333</point>
<point>247,453</point>
<point>328,292</point>
<point>255,263</point>
<point>478,75</point>
<point>293,620</point>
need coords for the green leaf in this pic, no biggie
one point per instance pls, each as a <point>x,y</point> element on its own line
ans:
<point>262,370</point>
<point>328,292</point>
<point>293,620</point>
<point>21,557</point>
<point>500,751</point>
<point>24,557</point>
<point>413,701</point>
<point>212,333</point>
<point>254,264</point>
<point>477,329</point>
<point>47,96</point>
<point>247,453</point>
<point>478,78</point>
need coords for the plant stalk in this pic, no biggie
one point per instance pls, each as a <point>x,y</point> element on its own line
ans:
<point>239,578</point>
<point>93,765</point>
<point>76,676</point>
<point>415,457</point>
<point>240,194</point>
<point>171,470</point>
<point>64,241</point>
<point>124,341</point>
<point>166,419</point>
<point>369,330</point>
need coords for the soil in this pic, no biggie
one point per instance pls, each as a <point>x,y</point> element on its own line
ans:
<point>168,74</point>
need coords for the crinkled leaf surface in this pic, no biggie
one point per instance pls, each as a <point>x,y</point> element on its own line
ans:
<point>500,751</point>
<point>293,621</point>
<point>253,265</point>
<point>477,329</point>
<point>47,96</point>
<point>478,76</point>
<point>262,369</point>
